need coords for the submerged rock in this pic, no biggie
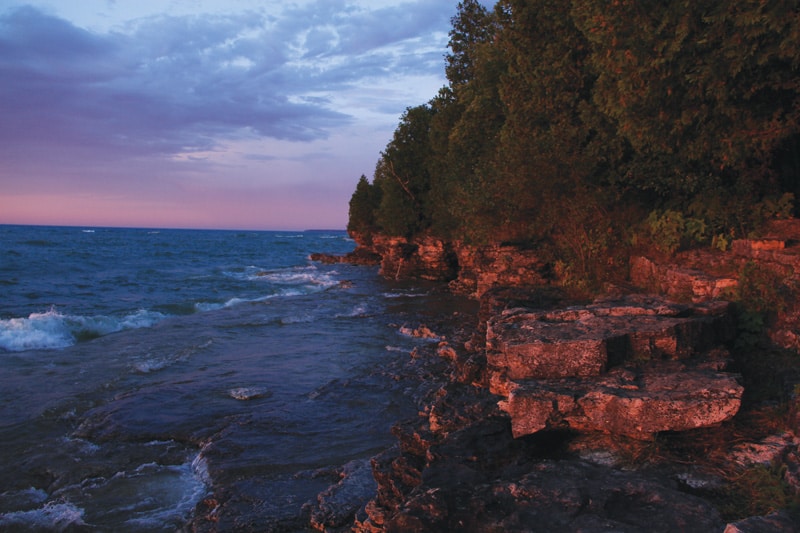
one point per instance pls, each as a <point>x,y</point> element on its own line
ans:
<point>336,507</point>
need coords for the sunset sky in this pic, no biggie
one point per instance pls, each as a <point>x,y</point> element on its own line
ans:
<point>202,113</point>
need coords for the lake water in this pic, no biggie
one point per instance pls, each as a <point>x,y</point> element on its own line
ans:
<point>145,374</point>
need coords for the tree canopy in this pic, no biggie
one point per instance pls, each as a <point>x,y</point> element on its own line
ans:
<point>583,125</point>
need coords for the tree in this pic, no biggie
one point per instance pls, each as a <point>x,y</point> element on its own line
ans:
<point>472,26</point>
<point>402,175</point>
<point>363,206</point>
<point>704,93</point>
<point>558,117</point>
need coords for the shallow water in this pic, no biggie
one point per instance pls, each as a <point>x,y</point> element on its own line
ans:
<point>144,373</point>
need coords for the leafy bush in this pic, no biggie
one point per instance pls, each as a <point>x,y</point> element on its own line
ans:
<point>669,230</point>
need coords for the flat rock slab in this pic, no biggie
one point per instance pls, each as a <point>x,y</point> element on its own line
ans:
<point>554,496</point>
<point>634,402</point>
<point>586,341</point>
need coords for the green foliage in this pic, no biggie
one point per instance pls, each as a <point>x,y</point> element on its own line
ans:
<point>762,290</point>
<point>668,230</point>
<point>363,206</point>
<point>403,177</point>
<point>472,25</point>
<point>761,295</point>
<point>561,115</point>
<point>750,328</point>
<point>758,491</point>
<point>721,242</point>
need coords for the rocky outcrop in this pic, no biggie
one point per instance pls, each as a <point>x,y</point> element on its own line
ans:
<point>769,265</point>
<point>530,419</point>
<point>614,367</point>
<point>480,268</point>
<point>424,257</point>
<point>470,269</point>
<point>637,402</point>
<point>479,479</point>
<point>359,256</point>
<point>584,341</point>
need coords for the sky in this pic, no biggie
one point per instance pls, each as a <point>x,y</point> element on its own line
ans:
<point>230,114</point>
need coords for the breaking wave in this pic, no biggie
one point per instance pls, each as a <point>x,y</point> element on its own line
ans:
<point>52,516</point>
<point>55,330</point>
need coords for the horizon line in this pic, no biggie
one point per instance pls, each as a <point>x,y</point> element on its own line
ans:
<point>174,228</point>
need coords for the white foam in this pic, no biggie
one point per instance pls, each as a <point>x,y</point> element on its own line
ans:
<point>52,329</point>
<point>408,294</point>
<point>308,277</point>
<point>397,349</point>
<point>39,330</point>
<point>52,516</point>
<point>151,365</point>
<point>296,319</point>
<point>358,311</point>
<point>248,393</point>
<point>169,493</point>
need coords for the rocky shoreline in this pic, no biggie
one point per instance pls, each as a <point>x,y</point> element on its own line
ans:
<point>627,413</point>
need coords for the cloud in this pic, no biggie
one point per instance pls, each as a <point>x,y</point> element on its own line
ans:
<point>259,118</point>
<point>166,85</point>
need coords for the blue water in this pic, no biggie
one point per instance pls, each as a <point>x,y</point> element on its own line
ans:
<point>147,376</point>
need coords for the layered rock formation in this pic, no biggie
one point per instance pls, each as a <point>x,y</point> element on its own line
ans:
<point>770,265</point>
<point>469,269</point>
<point>534,412</point>
<point>636,367</point>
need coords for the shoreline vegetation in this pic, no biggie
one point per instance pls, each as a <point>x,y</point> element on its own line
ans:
<point>614,183</point>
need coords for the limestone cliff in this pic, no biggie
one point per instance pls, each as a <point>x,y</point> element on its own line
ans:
<point>469,269</point>
<point>696,275</point>
<point>540,413</point>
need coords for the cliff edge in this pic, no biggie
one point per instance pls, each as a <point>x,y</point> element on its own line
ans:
<point>652,407</point>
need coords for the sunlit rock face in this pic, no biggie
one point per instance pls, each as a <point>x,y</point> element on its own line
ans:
<point>635,367</point>
<point>584,341</point>
<point>420,258</point>
<point>484,267</point>
<point>635,403</point>
<point>773,261</point>
<point>469,269</point>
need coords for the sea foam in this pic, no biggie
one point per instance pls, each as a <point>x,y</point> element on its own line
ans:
<point>52,516</point>
<point>53,329</point>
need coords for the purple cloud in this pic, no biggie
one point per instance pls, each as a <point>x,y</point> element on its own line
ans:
<point>174,84</point>
<point>170,105</point>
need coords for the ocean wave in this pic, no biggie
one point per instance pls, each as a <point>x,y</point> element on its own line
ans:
<point>52,516</point>
<point>52,330</point>
<point>309,277</point>
<point>293,281</point>
<point>154,363</point>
